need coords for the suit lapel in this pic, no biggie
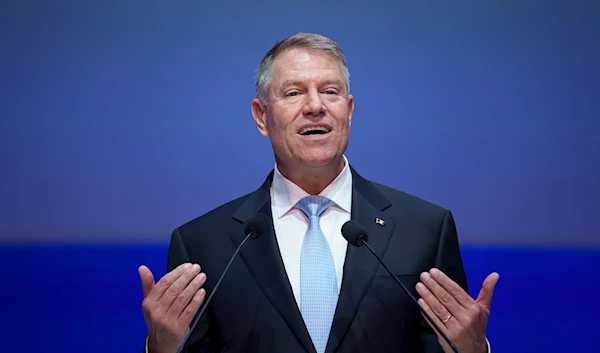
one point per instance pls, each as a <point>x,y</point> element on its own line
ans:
<point>263,259</point>
<point>360,265</point>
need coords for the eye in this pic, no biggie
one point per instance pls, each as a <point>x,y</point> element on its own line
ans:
<point>293,94</point>
<point>330,91</point>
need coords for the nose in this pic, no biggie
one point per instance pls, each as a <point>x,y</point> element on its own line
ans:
<point>314,104</point>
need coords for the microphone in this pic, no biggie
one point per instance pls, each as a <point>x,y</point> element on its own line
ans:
<point>255,227</point>
<point>357,236</point>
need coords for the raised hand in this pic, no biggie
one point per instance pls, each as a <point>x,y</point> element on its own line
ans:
<point>461,318</point>
<point>170,305</point>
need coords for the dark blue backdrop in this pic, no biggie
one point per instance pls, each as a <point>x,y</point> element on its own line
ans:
<point>122,120</point>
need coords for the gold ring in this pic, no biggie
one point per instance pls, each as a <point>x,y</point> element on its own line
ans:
<point>447,318</point>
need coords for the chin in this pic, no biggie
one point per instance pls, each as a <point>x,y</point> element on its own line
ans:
<point>320,160</point>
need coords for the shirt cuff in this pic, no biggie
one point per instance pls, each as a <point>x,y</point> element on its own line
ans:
<point>146,345</point>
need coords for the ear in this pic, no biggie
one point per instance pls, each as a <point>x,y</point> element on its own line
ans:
<point>350,108</point>
<point>259,112</point>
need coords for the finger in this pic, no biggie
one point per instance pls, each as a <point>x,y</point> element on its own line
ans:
<point>164,283</point>
<point>433,317</point>
<point>487,290</point>
<point>441,325</point>
<point>184,298</point>
<point>437,308</point>
<point>178,286</point>
<point>147,279</point>
<point>452,288</point>
<point>188,314</point>
<point>444,298</point>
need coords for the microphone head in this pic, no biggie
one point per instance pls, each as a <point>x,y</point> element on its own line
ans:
<point>257,225</point>
<point>354,233</point>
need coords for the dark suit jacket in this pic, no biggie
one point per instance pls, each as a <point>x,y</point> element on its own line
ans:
<point>254,309</point>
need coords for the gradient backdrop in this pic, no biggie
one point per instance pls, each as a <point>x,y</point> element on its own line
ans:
<point>121,120</point>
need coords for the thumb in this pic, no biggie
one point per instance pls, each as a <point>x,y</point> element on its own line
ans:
<point>147,279</point>
<point>487,290</point>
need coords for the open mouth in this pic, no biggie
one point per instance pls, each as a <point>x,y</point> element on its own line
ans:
<point>316,130</point>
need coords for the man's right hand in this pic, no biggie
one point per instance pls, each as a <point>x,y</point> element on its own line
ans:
<point>170,305</point>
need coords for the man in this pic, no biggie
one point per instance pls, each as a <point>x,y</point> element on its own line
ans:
<point>300,287</point>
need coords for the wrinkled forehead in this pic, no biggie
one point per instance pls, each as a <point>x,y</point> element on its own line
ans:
<point>300,65</point>
<point>300,61</point>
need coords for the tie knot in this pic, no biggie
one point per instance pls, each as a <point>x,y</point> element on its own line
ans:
<point>313,206</point>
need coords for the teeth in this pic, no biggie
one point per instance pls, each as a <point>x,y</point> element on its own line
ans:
<point>316,128</point>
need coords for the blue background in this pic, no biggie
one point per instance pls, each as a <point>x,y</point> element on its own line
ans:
<point>121,120</point>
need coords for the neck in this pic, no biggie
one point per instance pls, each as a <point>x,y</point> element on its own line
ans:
<point>313,180</point>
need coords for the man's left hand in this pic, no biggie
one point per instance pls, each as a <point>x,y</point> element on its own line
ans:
<point>462,319</point>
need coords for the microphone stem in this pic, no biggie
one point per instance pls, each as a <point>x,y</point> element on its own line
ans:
<point>411,296</point>
<point>233,257</point>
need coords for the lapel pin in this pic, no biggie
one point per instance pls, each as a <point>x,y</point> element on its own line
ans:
<point>380,221</point>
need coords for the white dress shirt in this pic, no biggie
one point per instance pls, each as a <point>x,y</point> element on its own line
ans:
<point>291,224</point>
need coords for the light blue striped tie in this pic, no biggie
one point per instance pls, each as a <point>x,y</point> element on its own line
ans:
<point>318,285</point>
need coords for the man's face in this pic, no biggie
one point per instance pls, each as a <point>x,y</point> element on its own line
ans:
<point>309,110</point>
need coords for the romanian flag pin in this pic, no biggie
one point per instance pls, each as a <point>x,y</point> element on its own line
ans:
<point>380,221</point>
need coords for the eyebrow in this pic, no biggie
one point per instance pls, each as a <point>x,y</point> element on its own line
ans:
<point>289,83</point>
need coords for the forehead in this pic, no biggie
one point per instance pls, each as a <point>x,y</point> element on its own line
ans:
<point>305,64</point>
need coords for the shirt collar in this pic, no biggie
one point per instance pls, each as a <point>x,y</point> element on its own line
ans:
<point>285,194</point>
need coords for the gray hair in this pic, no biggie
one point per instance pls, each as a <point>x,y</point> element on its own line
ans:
<point>300,40</point>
